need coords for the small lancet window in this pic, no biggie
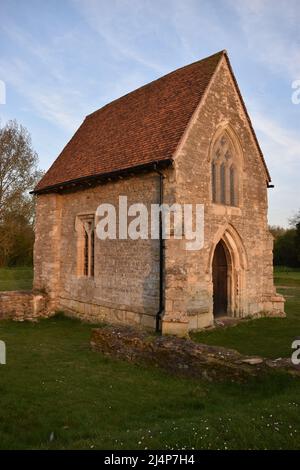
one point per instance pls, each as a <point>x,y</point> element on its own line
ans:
<point>93,253</point>
<point>86,253</point>
<point>86,245</point>
<point>214,181</point>
<point>223,183</point>
<point>233,192</point>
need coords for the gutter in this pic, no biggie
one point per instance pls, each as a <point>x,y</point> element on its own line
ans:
<point>101,178</point>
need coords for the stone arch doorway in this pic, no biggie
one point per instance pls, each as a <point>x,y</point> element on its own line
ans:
<point>221,268</point>
<point>227,266</point>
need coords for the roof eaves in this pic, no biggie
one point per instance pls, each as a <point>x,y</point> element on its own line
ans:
<point>88,181</point>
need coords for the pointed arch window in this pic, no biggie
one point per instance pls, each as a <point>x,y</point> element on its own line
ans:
<point>86,245</point>
<point>224,174</point>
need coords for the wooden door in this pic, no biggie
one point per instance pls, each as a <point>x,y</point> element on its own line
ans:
<point>220,281</point>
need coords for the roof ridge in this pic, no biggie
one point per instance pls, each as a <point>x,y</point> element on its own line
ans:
<point>146,85</point>
<point>139,128</point>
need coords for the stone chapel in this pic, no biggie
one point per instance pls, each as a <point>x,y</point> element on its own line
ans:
<point>184,138</point>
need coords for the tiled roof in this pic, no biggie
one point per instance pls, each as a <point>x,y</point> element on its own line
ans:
<point>141,127</point>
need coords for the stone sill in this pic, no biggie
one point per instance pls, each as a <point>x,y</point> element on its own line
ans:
<point>220,209</point>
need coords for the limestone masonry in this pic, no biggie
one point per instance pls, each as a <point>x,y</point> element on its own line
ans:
<point>218,163</point>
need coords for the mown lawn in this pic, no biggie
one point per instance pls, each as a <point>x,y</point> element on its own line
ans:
<point>58,394</point>
<point>16,278</point>
<point>269,337</point>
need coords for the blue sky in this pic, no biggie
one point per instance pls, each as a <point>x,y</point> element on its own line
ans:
<point>61,60</point>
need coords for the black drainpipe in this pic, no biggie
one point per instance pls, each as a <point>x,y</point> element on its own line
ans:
<point>161,253</point>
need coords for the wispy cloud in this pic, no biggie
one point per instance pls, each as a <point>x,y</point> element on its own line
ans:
<point>285,140</point>
<point>121,34</point>
<point>277,48</point>
<point>45,55</point>
<point>281,147</point>
<point>69,58</point>
<point>42,80</point>
<point>50,103</point>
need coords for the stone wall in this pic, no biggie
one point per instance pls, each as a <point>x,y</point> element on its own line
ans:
<point>175,355</point>
<point>125,286</point>
<point>47,254</point>
<point>181,356</point>
<point>189,286</point>
<point>18,305</point>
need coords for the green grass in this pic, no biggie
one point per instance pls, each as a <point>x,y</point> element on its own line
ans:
<point>287,277</point>
<point>54,385</point>
<point>269,337</point>
<point>58,394</point>
<point>16,278</point>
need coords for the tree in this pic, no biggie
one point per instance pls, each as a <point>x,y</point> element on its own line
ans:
<point>295,219</point>
<point>277,231</point>
<point>18,175</point>
<point>285,249</point>
<point>295,222</point>
<point>287,243</point>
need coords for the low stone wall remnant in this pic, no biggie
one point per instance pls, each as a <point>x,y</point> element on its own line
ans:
<point>22,305</point>
<point>181,356</point>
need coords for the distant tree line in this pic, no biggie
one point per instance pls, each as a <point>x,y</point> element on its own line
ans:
<point>18,175</point>
<point>287,244</point>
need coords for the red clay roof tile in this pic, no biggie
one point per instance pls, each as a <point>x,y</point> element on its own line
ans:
<point>141,127</point>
